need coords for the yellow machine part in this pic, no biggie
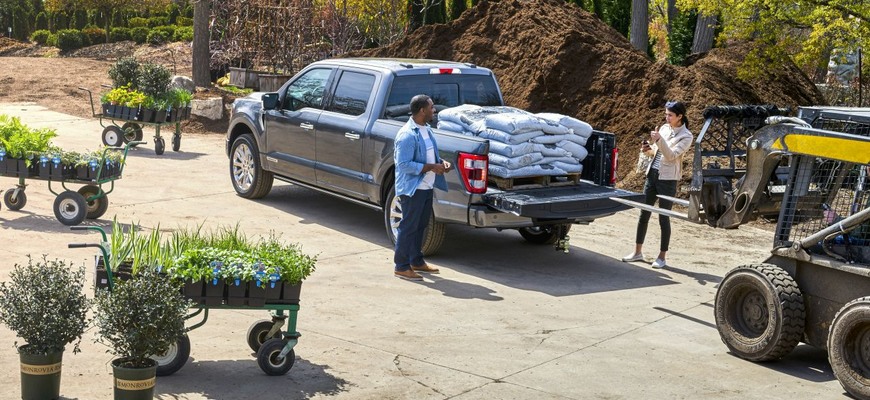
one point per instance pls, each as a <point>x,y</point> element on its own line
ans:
<point>835,148</point>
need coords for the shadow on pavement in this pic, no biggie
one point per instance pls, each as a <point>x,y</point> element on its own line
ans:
<point>805,362</point>
<point>702,278</point>
<point>460,290</point>
<point>501,257</point>
<point>145,152</point>
<point>243,379</point>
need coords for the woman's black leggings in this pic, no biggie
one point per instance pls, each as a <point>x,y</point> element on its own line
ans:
<point>651,189</point>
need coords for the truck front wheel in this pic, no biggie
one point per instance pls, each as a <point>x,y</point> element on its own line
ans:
<point>547,234</point>
<point>435,232</point>
<point>249,178</point>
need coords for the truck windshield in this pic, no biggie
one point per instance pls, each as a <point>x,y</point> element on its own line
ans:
<point>445,91</point>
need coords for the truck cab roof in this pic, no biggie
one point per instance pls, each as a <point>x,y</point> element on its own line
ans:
<point>408,66</point>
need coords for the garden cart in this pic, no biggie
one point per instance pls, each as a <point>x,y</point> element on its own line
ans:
<point>813,170</point>
<point>125,125</point>
<point>71,207</point>
<point>274,346</point>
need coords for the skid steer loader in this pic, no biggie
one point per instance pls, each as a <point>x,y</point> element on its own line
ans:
<point>812,173</point>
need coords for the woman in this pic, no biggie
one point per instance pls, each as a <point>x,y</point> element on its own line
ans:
<point>669,144</point>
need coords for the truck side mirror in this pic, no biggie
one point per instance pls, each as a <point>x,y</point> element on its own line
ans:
<point>270,101</point>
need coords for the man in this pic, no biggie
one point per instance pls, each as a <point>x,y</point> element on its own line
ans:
<point>419,170</point>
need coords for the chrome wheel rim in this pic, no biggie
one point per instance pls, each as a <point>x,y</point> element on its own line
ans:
<point>243,167</point>
<point>168,356</point>
<point>69,209</point>
<point>112,138</point>
<point>395,216</point>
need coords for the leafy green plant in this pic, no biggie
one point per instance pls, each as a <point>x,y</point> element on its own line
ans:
<point>44,304</point>
<point>125,72</point>
<point>183,34</point>
<point>117,95</point>
<point>139,34</point>
<point>94,35</point>
<point>70,39</point>
<point>154,79</point>
<point>156,37</point>
<point>21,141</point>
<point>40,37</point>
<point>137,22</point>
<point>179,97</point>
<point>135,99</point>
<point>119,33</point>
<point>140,317</point>
<point>167,30</point>
<point>286,259</point>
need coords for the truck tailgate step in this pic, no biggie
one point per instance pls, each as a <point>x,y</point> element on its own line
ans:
<point>582,201</point>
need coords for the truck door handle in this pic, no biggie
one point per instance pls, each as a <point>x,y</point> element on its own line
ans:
<point>353,136</point>
<point>306,125</point>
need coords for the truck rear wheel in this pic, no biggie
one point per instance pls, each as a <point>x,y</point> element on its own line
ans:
<point>547,234</point>
<point>849,347</point>
<point>249,178</point>
<point>759,312</point>
<point>435,232</point>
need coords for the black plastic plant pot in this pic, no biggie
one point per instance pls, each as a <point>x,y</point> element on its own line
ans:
<point>51,171</point>
<point>185,113</point>
<point>40,375</point>
<point>214,292</point>
<point>148,115</point>
<point>86,173</point>
<point>237,294</point>
<point>134,383</point>
<point>160,116</point>
<point>107,108</point>
<point>122,272</point>
<point>256,294</point>
<point>173,115</point>
<point>290,294</point>
<point>195,290</point>
<point>273,293</point>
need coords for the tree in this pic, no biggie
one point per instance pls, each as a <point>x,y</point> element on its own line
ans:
<point>456,8</point>
<point>617,14</point>
<point>680,36</point>
<point>705,29</point>
<point>201,53</point>
<point>639,34</point>
<point>105,7</point>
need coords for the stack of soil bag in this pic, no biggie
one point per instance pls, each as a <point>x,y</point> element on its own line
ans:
<point>522,144</point>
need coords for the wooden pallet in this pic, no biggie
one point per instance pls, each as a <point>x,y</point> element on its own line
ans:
<point>529,182</point>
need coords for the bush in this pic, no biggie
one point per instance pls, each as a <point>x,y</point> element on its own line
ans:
<point>153,79</point>
<point>156,37</point>
<point>41,21</point>
<point>137,22</point>
<point>154,22</point>
<point>70,39</point>
<point>119,34</point>
<point>40,37</point>
<point>184,34</point>
<point>168,31</point>
<point>139,34</point>
<point>94,35</point>
<point>52,40</point>
<point>184,21</point>
<point>125,72</point>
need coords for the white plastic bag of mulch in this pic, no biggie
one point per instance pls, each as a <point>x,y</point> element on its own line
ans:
<point>504,137</point>
<point>515,162</point>
<point>577,151</point>
<point>531,170</point>
<point>550,150</point>
<point>452,127</point>
<point>465,116</point>
<point>579,127</point>
<point>513,123</point>
<point>511,150</point>
<point>569,167</point>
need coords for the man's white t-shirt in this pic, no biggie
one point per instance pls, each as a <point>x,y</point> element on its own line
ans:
<point>428,181</point>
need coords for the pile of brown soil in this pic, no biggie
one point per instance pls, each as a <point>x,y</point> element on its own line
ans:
<point>555,57</point>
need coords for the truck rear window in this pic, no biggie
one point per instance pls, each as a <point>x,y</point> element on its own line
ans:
<point>445,91</point>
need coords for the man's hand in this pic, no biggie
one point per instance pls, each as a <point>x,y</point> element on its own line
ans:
<point>436,168</point>
<point>447,165</point>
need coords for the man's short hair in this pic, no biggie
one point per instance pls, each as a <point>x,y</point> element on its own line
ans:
<point>418,102</point>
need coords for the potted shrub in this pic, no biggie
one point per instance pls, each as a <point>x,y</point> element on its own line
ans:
<point>21,144</point>
<point>44,304</point>
<point>139,317</point>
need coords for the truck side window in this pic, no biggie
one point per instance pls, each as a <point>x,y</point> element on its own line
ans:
<point>352,93</point>
<point>307,91</point>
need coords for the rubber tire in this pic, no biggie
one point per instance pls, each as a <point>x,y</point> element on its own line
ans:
<point>268,364</point>
<point>19,202</point>
<point>174,358</point>
<point>113,136</point>
<point>176,142</point>
<point>70,208</point>
<point>159,146</point>
<point>257,334</point>
<point>96,207</point>
<point>778,322</point>
<point>261,180</point>
<point>848,353</point>
<point>546,234</point>
<point>433,236</point>
<point>132,132</point>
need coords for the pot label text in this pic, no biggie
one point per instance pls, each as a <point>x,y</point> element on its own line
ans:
<point>40,369</point>
<point>124,384</point>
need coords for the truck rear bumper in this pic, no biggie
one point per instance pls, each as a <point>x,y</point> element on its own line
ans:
<point>481,216</point>
<point>585,201</point>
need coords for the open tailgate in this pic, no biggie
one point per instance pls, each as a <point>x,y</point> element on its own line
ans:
<point>583,201</point>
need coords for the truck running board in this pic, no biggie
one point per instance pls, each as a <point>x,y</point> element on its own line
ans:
<point>657,210</point>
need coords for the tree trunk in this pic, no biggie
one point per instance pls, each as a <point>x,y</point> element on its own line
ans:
<point>672,15</point>
<point>598,9</point>
<point>821,73</point>
<point>456,8</point>
<point>415,14</point>
<point>705,29</point>
<point>201,55</point>
<point>639,33</point>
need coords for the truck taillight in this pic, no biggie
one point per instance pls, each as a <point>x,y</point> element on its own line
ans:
<point>614,164</point>
<point>473,169</point>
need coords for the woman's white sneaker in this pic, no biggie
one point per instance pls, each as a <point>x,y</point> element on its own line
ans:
<point>659,263</point>
<point>633,257</point>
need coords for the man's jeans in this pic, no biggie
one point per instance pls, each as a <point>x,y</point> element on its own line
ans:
<point>416,211</point>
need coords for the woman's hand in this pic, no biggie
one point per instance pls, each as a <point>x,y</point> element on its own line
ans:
<point>654,136</point>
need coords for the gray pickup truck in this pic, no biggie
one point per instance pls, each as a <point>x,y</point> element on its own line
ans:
<point>331,128</point>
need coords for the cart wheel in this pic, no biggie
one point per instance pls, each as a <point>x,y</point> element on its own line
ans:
<point>257,334</point>
<point>267,358</point>
<point>176,142</point>
<point>70,208</point>
<point>159,146</point>
<point>96,207</point>
<point>113,136</point>
<point>132,132</point>
<point>17,203</point>
<point>170,362</point>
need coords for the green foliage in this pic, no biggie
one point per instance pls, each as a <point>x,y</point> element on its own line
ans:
<point>21,141</point>
<point>156,37</point>
<point>140,317</point>
<point>680,39</point>
<point>153,79</point>
<point>44,304</point>
<point>137,22</point>
<point>119,34</point>
<point>167,30</point>
<point>172,12</point>
<point>184,34</point>
<point>94,35</point>
<point>41,21</point>
<point>70,39</point>
<point>237,90</point>
<point>40,37</point>
<point>183,21</point>
<point>457,7</point>
<point>139,34</point>
<point>154,22</point>
<point>52,40</point>
<point>617,14</point>
<point>125,72</point>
